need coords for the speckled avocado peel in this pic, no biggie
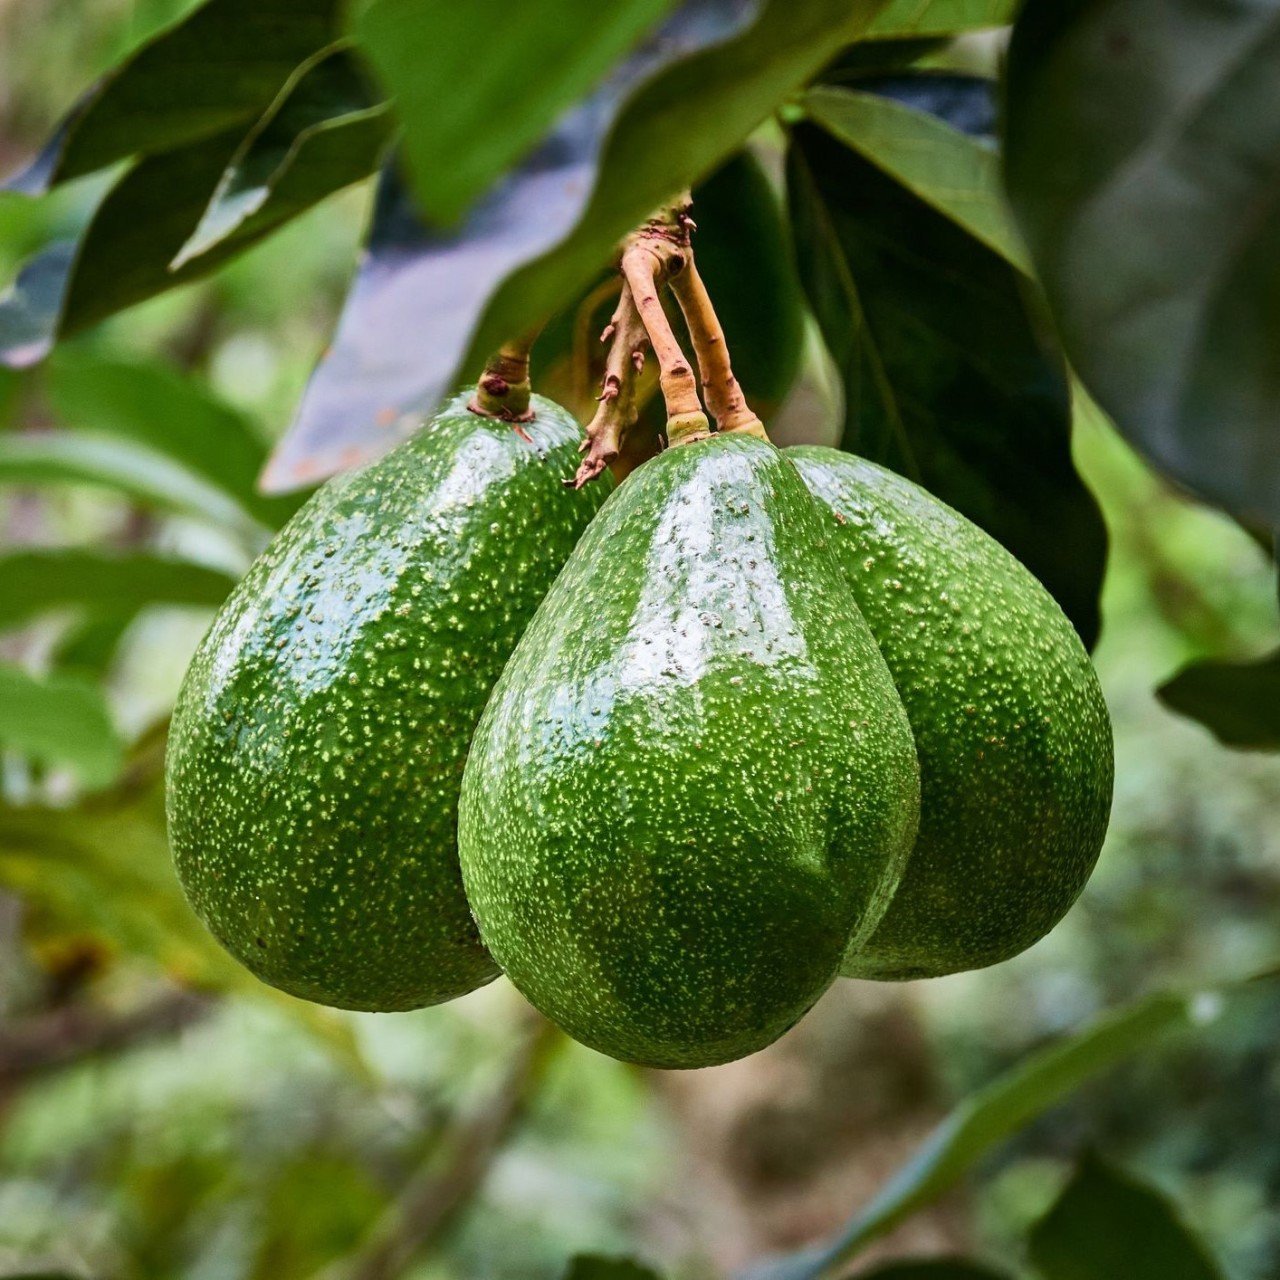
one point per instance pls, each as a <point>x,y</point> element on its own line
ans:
<point>694,780</point>
<point>317,747</point>
<point>1013,733</point>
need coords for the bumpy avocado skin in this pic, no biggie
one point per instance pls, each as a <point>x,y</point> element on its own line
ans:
<point>1012,731</point>
<point>694,780</point>
<point>317,747</point>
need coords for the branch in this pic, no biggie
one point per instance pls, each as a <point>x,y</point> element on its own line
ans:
<point>617,412</point>
<point>724,396</point>
<point>455,1171</point>
<point>503,390</point>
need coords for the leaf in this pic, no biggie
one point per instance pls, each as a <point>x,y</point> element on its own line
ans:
<point>1239,702</point>
<point>89,647</point>
<point>1143,161</point>
<point>988,1117</point>
<point>1107,1223</point>
<point>74,457</point>
<point>934,1269</point>
<point>945,378</point>
<point>33,582</point>
<point>940,17</point>
<point>428,306</point>
<point>595,1266</point>
<point>744,254</point>
<point>451,68</point>
<point>322,133</point>
<point>934,161</point>
<point>219,67</point>
<point>60,720</point>
<point>30,307</point>
<point>153,405</point>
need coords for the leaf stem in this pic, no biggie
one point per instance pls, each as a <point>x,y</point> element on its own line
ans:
<point>503,390</point>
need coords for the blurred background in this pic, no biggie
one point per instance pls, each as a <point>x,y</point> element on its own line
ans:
<point>163,1116</point>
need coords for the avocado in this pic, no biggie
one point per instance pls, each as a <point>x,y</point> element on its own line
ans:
<point>317,747</point>
<point>1012,731</point>
<point>694,781</point>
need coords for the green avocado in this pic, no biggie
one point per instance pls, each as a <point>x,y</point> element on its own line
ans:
<point>1010,724</point>
<point>694,781</point>
<point>317,747</point>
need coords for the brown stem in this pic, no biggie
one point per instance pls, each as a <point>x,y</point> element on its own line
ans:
<point>724,396</point>
<point>503,390</point>
<point>653,255</point>
<point>584,333</point>
<point>617,410</point>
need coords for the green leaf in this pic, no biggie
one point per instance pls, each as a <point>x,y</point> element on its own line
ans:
<point>987,1118</point>
<point>30,307</point>
<point>955,174</point>
<point>941,17</point>
<point>1107,1223</point>
<point>934,1269</point>
<point>594,1266</point>
<point>89,647</point>
<point>745,256</point>
<point>75,457</point>
<point>1239,702</point>
<point>1143,161</point>
<point>945,377</point>
<point>33,582</point>
<point>451,69</point>
<point>323,133</point>
<point>219,67</point>
<point>152,404</point>
<point>60,720</point>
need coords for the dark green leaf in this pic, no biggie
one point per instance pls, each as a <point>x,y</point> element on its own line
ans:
<point>934,1269</point>
<point>34,582</point>
<point>30,307</point>
<point>941,17</point>
<point>989,1117</point>
<point>951,172</point>
<point>1239,702</point>
<point>594,1266</point>
<point>745,257</point>
<point>89,647</point>
<point>945,378</point>
<point>152,404</point>
<point>60,720</point>
<point>428,307</point>
<point>1143,160</point>
<point>1107,1224</point>
<point>451,68</point>
<point>219,67</point>
<point>876,57</point>
<point>323,133</point>
<point>73,457</point>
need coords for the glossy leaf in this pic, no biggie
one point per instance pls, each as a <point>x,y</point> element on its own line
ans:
<point>219,67</point>
<point>154,405</point>
<point>31,305</point>
<point>1107,1223</point>
<point>955,174</point>
<point>61,720</point>
<point>451,68</point>
<point>594,1266</point>
<point>946,379</point>
<point>73,457</point>
<point>988,1117</point>
<point>1239,702</point>
<point>324,132</point>
<point>744,253</point>
<point>941,17</point>
<point>428,307</point>
<point>1143,161</point>
<point>34,582</point>
<point>934,1269</point>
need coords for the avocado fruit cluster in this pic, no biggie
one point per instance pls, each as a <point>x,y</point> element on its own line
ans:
<point>673,765</point>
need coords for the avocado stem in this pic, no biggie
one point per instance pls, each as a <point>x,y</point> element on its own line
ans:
<point>504,389</point>
<point>653,255</point>
<point>724,395</point>
<point>617,411</point>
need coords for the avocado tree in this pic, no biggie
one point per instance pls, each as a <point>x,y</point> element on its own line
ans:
<point>771,716</point>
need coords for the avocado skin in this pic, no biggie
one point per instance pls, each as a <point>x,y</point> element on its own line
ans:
<point>1013,734</point>
<point>317,747</point>
<point>694,780</point>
